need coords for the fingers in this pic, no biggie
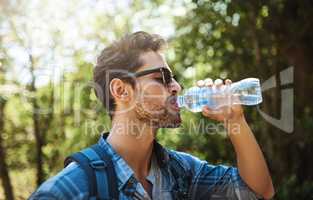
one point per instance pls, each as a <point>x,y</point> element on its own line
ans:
<point>206,111</point>
<point>218,82</point>
<point>212,114</point>
<point>228,82</point>
<point>208,82</point>
<point>200,83</point>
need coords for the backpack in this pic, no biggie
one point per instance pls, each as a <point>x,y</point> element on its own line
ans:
<point>102,178</point>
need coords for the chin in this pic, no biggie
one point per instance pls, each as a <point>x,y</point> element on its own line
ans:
<point>171,122</point>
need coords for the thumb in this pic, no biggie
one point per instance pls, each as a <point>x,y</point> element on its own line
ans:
<point>212,114</point>
<point>208,112</point>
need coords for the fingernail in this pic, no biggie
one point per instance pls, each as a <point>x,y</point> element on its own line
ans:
<point>218,82</point>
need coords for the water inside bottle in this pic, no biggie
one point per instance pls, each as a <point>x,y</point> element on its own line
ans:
<point>246,92</point>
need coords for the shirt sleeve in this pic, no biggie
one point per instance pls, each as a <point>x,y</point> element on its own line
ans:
<point>216,181</point>
<point>43,196</point>
<point>70,183</point>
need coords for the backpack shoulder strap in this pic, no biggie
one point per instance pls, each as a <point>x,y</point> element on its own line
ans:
<point>182,177</point>
<point>111,174</point>
<point>97,171</point>
<point>83,162</point>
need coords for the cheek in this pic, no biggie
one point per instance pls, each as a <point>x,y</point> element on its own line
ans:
<point>153,92</point>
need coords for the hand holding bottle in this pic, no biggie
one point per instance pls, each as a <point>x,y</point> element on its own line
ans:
<point>217,95</point>
<point>229,112</point>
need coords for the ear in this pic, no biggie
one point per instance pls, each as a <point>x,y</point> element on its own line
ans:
<point>120,90</point>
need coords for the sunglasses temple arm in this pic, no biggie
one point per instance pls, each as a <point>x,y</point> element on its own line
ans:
<point>142,73</point>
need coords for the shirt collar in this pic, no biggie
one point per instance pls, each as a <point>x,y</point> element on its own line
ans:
<point>124,172</point>
<point>152,172</point>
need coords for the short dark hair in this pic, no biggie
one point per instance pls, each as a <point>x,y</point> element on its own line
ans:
<point>123,55</point>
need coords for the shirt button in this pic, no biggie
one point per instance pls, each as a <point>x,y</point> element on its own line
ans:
<point>129,184</point>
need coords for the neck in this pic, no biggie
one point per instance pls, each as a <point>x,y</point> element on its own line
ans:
<point>133,141</point>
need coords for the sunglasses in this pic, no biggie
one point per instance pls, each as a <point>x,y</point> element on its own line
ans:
<point>166,75</point>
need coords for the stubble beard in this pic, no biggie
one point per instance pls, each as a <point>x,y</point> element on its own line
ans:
<point>157,116</point>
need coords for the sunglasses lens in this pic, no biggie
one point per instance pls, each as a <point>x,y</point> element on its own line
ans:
<point>167,76</point>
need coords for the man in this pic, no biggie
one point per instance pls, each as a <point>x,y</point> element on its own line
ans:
<point>135,84</point>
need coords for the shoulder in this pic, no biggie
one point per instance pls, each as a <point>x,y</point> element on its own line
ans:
<point>188,161</point>
<point>70,183</point>
<point>198,166</point>
<point>222,178</point>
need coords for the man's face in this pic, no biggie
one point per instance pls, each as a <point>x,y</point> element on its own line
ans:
<point>155,103</point>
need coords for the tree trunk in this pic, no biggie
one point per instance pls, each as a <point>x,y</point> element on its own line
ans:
<point>39,144</point>
<point>4,173</point>
<point>302,61</point>
<point>36,125</point>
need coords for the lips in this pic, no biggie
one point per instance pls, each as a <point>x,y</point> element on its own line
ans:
<point>172,101</point>
<point>175,107</point>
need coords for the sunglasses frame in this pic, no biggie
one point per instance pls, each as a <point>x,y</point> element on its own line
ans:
<point>162,70</point>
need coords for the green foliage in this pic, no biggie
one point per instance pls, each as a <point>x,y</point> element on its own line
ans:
<point>292,189</point>
<point>240,39</point>
<point>217,39</point>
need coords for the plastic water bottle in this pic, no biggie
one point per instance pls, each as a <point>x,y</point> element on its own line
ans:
<point>244,92</point>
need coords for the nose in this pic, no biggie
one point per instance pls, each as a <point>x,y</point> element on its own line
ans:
<point>174,87</point>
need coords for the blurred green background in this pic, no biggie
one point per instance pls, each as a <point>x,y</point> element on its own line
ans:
<point>48,108</point>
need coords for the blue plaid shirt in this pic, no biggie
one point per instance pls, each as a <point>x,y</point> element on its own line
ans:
<point>208,181</point>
